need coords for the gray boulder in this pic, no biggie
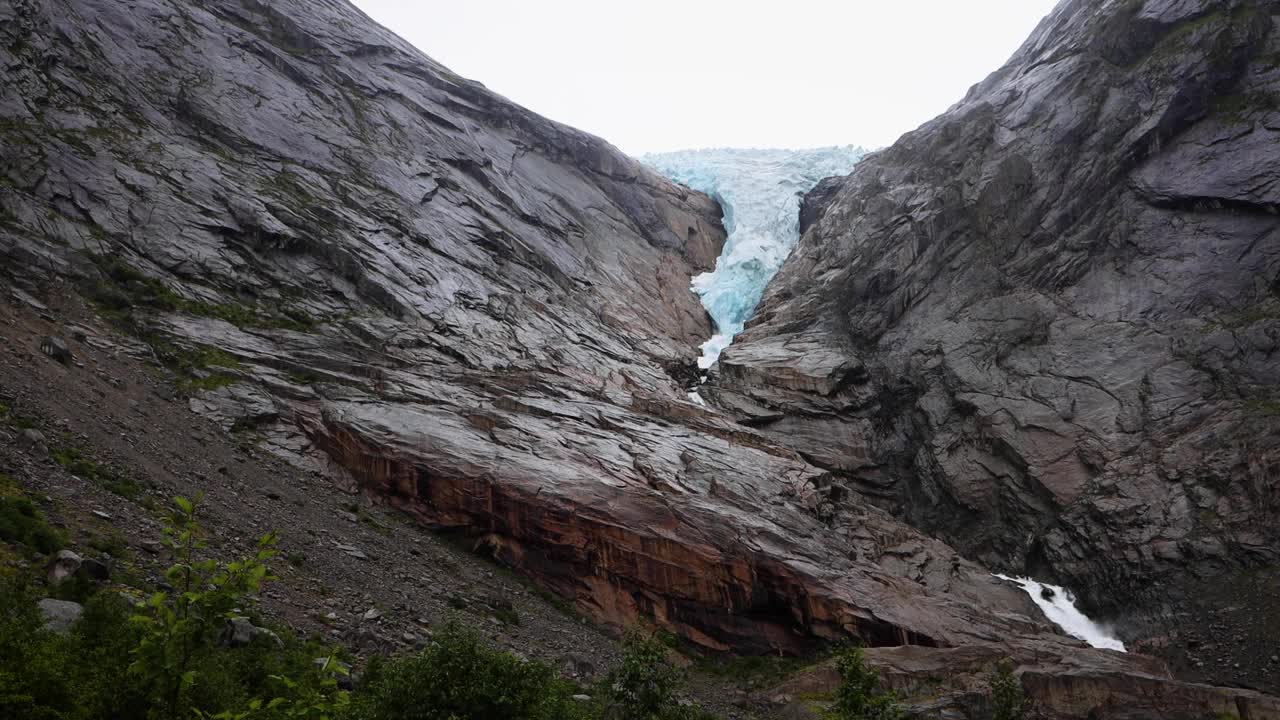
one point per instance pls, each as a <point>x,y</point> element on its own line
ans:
<point>240,631</point>
<point>63,566</point>
<point>60,615</point>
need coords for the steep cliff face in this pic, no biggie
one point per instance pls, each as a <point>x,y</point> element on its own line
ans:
<point>1044,325</point>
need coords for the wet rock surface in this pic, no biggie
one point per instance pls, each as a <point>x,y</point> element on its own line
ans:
<point>400,283</point>
<point>1043,327</point>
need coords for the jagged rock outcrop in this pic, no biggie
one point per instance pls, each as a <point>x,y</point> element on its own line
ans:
<point>1044,326</point>
<point>372,266</point>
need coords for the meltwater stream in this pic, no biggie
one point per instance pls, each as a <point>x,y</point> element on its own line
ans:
<point>1059,605</point>
<point>760,192</point>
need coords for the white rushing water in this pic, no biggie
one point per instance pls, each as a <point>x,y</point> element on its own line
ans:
<point>760,193</point>
<point>1060,607</point>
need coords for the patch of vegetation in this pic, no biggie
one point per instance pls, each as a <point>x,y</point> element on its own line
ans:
<point>860,696</point>
<point>77,462</point>
<point>124,288</point>
<point>506,615</point>
<point>163,659</point>
<point>1008,700</point>
<point>750,668</point>
<point>563,606</point>
<point>198,368</point>
<point>1259,406</point>
<point>22,523</point>
<point>303,377</point>
<point>369,520</point>
<point>1266,310</point>
<point>110,543</point>
<point>9,417</point>
<point>459,678</point>
<point>645,686</point>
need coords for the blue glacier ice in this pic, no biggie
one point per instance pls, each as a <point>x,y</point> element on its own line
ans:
<point>760,192</point>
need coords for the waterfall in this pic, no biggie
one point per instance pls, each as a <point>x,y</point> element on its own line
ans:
<point>1059,605</point>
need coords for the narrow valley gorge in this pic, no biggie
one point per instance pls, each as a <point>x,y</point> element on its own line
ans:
<point>1035,337</point>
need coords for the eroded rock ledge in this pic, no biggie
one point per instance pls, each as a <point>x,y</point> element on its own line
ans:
<point>389,273</point>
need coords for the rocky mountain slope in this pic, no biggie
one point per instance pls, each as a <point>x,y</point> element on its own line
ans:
<point>1044,326</point>
<point>387,274</point>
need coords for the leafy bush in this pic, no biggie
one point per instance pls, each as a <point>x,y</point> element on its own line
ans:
<point>644,685</point>
<point>177,669</point>
<point>459,678</point>
<point>1008,700</point>
<point>22,523</point>
<point>162,659</point>
<point>33,685</point>
<point>860,696</point>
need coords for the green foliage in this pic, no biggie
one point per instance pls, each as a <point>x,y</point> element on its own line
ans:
<point>32,684</point>
<point>458,678</point>
<point>1008,700</point>
<point>644,685</point>
<point>9,417</point>
<point>1259,406</point>
<point>860,696</point>
<point>124,288</point>
<point>110,543</point>
<point>506,615</point>
<point>178,625</point>
<point>22,523</point>
<point>750,668</point>
<point>76,462</point>
<point>162,659</point>
<point>183,669</point>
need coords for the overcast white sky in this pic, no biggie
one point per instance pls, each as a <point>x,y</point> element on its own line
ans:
<point>675,74</point>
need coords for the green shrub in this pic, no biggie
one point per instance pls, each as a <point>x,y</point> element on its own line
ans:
<point>1008,700</point>
<point>33,685</point>
<point>644,685</point>
<point>22,523</point>
<point>459,678</point>
<point>860,696</point>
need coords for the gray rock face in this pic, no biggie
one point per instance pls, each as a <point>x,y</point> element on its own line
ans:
<point>1044,325</point>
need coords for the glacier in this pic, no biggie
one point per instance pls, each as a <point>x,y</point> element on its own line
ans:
<point>759,192</point>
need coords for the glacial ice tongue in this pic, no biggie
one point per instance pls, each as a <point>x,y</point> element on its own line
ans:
<point>1060,607</point>
<point>760,193</point>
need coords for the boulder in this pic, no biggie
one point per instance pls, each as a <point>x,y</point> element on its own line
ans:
<point>60,615</point>
<point>56,348</point>
<point>32,441</point>
<point>240,631</point>
<point>63,566</point>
